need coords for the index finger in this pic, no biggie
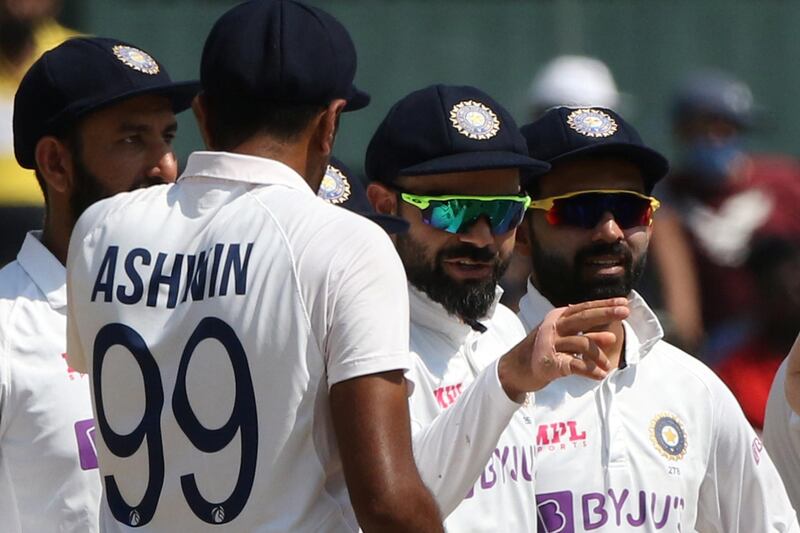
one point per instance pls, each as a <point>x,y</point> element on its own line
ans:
<point>590,318</point>
<point>573,309</point>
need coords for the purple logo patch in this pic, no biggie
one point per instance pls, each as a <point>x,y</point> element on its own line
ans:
<point>84,432</point>
<point>555,512</point>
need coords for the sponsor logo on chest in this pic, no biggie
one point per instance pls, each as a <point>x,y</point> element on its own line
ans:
<point>561,435</point>
<point>620,510</point>
<point>447,395</point>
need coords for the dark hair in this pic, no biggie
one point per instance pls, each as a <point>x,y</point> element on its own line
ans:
<point>232,121</point>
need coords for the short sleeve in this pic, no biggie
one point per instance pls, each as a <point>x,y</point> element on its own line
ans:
<point>368,308</point>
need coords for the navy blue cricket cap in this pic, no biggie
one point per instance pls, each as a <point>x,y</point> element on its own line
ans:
<point>568,133</point>
<point>281,51</point>
<point>443,129</point>
<point>82,75</point>
<point>340,187</point>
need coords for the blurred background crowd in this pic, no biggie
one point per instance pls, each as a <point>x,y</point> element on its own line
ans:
<point>709,82</point>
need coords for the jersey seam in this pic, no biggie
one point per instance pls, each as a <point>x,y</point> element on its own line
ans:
<point>295,275</point>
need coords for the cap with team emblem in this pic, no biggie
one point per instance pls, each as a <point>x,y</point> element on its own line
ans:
<point>79,76</point>
<point>443,129</point>
<point>282,51</point>
<point>340,187</point>
<point>565,133</point>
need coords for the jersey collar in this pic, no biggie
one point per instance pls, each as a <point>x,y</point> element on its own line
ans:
<point>47,273</point>
<point>642,328</point>
<point>245,168</point>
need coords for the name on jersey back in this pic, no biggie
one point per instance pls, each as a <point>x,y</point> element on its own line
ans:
<point>141,275</point>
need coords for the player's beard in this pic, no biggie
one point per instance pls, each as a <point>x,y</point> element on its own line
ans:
<point>469,300</point>
<point>563,283</point>
<point>88,189</point>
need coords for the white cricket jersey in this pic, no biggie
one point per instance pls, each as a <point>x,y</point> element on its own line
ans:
<point>48,465</point>
<point>474,447</point>
<point>782,434</point>
<point>660,445</point>
<point>213,316</point>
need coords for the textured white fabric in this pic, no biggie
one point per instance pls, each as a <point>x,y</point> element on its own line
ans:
<point>782,434</point>
<point>48,465</point>
<point>291,295</point>
<point>473,445</point>
<point>660,445</point>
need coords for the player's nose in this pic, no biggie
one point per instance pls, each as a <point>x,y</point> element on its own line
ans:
<point>164,169</point>
<point>607,229</point>
<point>479,234</point>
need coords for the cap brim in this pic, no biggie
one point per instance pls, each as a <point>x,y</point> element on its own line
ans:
<point>180,94</point>
<point>390,224</point>
<point>472,161</point>
<point>654,166</point>
<point>357,99</point>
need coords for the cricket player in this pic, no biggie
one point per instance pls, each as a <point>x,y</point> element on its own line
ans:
<point>92,117</point>
<point>660,444</point>
<point>246,341</point>
<point>448,160</point>
<point>782,423</point>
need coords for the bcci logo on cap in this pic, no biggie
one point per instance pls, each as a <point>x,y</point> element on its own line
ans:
<point>592,123</point>
<point>474,120</point>
<point>136,59</point>
<point>334,188</point>
<point>668,436</point>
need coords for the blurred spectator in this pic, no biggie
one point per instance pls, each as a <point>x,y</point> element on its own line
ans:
<point>27,30</point>
<point>750,368</point>
<point>573,81</point>
<point>567,80</point>
<point>717,201</point>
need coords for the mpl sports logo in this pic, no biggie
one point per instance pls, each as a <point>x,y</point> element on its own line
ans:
<point>447,395</point>
<point>622,510</point>
<point>559,436</point>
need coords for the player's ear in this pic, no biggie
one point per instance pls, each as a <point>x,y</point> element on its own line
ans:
<point>522,244</point>
<point>200,110</point>
<point>327,125</point>
<point>382,198</point>
<point>54,163</point>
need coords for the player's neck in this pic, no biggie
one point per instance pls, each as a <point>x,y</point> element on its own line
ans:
<point>291,154</point>
<point>55,236</point>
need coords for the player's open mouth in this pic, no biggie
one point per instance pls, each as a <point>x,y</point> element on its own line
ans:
<point>605,265</point>
<point>468,268</point>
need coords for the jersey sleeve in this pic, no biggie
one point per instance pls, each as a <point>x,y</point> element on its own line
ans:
<point>742,491</point>
<point>368,308</point>
<point>452,450</point>
<point>782,435</point>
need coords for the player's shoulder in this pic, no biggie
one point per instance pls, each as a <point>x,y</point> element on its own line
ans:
<point>506,323</point>
<point>334,227</point>
<point>128,206</point>
<point>17,293</point>
<point>686,371</point>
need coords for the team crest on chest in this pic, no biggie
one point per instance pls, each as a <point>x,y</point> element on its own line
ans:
<point>474,120</point>
<point>334,188</point>
<point>136,59</point>
<point>668,436</point>
<point>592,123</point>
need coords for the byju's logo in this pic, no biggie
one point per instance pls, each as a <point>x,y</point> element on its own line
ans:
<point>555,512</point>
<point>87,452</point>
<point>626,509</point>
